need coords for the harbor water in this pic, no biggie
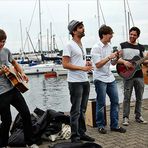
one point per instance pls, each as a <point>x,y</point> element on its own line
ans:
<point>53,93</point>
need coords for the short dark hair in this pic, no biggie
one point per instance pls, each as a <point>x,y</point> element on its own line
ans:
<point>135,29</point>
<point>3,35</point>
<point>104,30</point>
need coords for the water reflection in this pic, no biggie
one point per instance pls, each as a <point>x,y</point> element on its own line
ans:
<point>53,93</point>
<point>45,97</point>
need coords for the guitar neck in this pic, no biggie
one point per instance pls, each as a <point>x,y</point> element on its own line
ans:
<point>142,60</point>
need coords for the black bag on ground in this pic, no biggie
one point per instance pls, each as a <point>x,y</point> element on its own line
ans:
<point>49,118</point>
<point>76,145</point>
<point>58,117</point>
<point>17,135</point>
<point>17,139</point>
<point>18,123</point>
<point>41,124</point>
<point>56,121</point>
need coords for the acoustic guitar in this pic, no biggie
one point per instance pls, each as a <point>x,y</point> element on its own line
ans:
<point>17,80</point>
<point>145,72</point>
<point>128,73</point>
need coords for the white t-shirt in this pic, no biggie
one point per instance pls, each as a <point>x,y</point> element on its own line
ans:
<point>98,52</point>
<point>73,51</point>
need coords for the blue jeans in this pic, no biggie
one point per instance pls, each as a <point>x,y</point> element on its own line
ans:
<point>79,93</point>
<point>138,85</point>
<point>110,89</point>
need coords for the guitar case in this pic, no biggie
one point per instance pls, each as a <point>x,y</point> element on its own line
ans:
<point>145,73</point>
<point>76,145</point>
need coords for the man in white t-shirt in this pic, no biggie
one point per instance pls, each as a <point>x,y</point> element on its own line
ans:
<point>74,59</point>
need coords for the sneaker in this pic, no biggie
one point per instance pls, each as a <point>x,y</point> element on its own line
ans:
<point>125,121</point>
<point>102,130</point>
<point>87,138</point>
<point>119,129</point>
<point>141,120</point>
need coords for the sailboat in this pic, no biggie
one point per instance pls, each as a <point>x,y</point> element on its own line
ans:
<point>47,63</point>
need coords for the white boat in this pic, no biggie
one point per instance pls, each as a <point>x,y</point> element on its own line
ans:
<point>114,71</point>
<point>58,68</point>
<point>43,68</point>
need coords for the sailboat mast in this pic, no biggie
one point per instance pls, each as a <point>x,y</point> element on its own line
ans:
<point>128,16</point>
<point>98,12</point>
<point>68,20</point>
<point>50,36</point>
<point>27,40</point>
<point>40,34</point>
<point>125,20</point>
<point>48,40</point>
<point>54,42</point>
<point>21,37</point>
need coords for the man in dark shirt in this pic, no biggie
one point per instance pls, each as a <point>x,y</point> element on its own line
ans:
<point>131,49</point>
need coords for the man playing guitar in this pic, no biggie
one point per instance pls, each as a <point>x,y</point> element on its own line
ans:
<point>9,95</point>
<point>130,51</point>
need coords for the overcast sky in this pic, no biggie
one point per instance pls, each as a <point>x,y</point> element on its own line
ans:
<point>12,12</point>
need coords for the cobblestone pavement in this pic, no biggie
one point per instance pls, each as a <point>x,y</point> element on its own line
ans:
<point>135,137</point>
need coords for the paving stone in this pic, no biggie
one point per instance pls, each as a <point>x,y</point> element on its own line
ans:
<point>135,137</point>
